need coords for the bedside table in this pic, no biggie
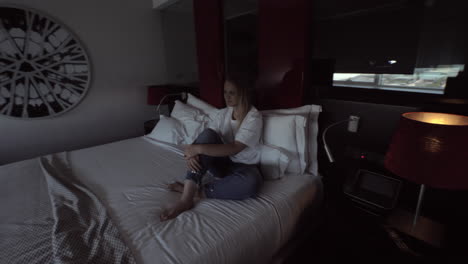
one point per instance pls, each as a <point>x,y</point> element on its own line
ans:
<point>149,125</point>
<point>352,234</point>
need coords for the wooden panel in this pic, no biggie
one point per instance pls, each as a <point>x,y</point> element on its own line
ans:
<point>283,47</point>
<point>209,24</point>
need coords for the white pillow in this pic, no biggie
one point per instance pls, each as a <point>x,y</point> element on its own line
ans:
<point>183,112</point>
<point>205,107</point>
<point>312,113</point>
<point>168,130</point>
<point>288,133</point>
<point>273,162</point>
<point>193,120</point>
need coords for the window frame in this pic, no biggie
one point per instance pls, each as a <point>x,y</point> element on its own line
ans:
<point>380,96</point>
<point>377,86</point>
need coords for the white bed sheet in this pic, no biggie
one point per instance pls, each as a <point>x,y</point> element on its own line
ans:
<point>130,177</point>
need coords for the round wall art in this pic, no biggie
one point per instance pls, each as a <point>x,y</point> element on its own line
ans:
<point>44,70</point>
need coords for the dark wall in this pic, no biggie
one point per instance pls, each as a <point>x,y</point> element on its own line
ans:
<point>209,30</point>
<point>241,44</point>
<point>376,126</point>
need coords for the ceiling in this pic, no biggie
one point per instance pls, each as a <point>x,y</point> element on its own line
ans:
<point>232,8</point>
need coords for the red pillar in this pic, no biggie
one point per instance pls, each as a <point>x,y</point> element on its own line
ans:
<point>209,25</point>
<point>283,30</point>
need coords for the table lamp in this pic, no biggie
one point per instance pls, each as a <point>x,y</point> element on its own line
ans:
<point>430,149</point>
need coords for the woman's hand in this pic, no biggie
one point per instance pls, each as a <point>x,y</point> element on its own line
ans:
<point>192,151</point>
<point>194,164</point>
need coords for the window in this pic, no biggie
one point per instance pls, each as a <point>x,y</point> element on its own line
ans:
<point>423,80</point>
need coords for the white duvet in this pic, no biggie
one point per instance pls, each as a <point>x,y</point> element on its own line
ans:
<point>130,179</point>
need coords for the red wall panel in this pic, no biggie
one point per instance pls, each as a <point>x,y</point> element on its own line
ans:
<point>209,26</point>
<point>282,52</point>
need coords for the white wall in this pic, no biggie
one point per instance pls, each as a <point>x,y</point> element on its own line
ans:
<point>125,45</point>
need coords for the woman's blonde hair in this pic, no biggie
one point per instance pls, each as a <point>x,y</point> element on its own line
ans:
<point>243,84</point>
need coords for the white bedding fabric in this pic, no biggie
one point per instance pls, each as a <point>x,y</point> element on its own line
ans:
<point>130,179</point>
<point>48,216</point>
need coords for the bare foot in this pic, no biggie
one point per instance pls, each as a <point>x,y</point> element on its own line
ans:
<point>176,186</point>
<point>179,187</point>
<point>175,210</point>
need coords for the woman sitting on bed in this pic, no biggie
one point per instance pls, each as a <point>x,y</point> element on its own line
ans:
<point>228,150</point>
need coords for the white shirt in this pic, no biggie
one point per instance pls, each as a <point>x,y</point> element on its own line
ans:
<point>234,126</point>
<point>248,133</point>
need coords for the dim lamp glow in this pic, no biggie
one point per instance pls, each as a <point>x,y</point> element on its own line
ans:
<point>439,121</point>
<point>438,118</point>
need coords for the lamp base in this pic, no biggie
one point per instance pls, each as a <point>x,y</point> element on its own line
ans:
<point>425,230</point>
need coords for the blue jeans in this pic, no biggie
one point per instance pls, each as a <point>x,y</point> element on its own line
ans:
<point>234,181</point>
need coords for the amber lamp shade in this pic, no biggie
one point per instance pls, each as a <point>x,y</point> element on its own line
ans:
<point>431,149</point>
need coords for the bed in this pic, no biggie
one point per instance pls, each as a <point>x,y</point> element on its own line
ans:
<point>102,205</point>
